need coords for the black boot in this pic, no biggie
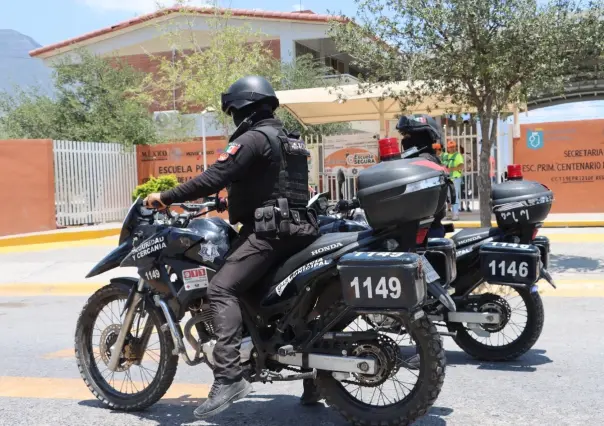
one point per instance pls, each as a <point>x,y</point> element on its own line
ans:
<point>222,395</point>
<point>311,393</point>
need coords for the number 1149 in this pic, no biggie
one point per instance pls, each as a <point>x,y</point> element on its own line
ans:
<point>386,287</point>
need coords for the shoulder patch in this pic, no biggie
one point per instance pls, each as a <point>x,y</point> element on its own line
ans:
<point>223,157</point>
<point>232,148</point>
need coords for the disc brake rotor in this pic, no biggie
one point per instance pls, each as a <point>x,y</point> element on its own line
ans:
<point>494,304</point>
<point>108,339</point>
<point>387,356</point>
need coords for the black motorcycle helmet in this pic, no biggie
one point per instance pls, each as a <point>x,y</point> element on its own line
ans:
<point>419,130</point>
<point>249,92</point>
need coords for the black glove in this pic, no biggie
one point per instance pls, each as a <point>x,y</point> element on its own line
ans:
<point>342,206</point>
<point>221,204</point>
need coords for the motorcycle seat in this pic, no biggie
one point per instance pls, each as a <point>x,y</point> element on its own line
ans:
<point>322,246</point>
<point>473,235</point>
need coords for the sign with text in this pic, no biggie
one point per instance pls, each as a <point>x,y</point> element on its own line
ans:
<point>183,159</point>
<point>567,157</point>
<point>350,153</point>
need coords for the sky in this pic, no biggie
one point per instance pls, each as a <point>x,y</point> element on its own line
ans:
<point>51,21</point>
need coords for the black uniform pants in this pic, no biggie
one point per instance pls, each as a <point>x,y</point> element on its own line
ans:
<point>250,260</point>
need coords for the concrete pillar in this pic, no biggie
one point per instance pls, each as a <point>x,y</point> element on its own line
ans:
<point>288,50</point>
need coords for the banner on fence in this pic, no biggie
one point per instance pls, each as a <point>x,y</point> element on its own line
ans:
<point>182,159</point>
<point>349,153</point>
<point>568,157</point>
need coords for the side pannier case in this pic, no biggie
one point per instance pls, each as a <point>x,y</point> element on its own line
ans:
<point>401,191</point>
<point>386,280</point>
<point>521,203</point>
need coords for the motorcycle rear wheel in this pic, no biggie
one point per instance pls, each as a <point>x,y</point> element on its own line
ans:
<point>93,374</point>
<point>535,317</point>
<point>416,404</point>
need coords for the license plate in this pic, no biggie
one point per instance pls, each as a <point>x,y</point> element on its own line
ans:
<point>431,274</point>
<point>512,269</point>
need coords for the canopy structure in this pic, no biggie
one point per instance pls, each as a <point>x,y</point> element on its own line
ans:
<point>344,103</point>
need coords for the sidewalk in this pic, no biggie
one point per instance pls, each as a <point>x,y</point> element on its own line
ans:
<point>467,220</point>
<point>554,220</point>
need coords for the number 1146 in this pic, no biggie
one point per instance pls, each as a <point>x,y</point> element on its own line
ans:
<point>512,268</point>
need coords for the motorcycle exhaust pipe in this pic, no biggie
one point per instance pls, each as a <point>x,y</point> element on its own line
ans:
<point>341,364</point>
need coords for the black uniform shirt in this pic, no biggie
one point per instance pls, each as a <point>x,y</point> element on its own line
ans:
<point>247,157</point>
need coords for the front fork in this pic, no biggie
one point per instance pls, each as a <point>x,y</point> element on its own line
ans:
<point>130,309</point>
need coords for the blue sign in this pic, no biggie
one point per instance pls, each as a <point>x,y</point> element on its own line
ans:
<point>534,139</point>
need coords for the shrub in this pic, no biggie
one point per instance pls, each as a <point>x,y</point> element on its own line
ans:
<point>158,184</point>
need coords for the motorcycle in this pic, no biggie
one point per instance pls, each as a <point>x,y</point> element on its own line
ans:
<point>305,319</point>
<point>481,311</point>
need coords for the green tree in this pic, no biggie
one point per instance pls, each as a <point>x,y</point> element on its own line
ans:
<point>92,100</point>
<point>480,54</point>
<point>200,72</point>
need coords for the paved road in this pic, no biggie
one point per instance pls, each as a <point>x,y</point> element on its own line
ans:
<point>559,382</point>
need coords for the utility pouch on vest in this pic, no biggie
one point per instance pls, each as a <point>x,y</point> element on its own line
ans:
<point>284,218</point>
<point>265,222</point>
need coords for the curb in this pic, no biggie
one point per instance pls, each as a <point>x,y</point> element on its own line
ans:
<point>66,236</point>
<point>58,237</point>
<point>460,224</point>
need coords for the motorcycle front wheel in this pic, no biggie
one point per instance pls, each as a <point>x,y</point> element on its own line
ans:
<point>146,368</point>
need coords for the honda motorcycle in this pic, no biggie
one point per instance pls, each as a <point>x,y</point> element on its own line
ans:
<point>304,319</point>
<point>497,313</point>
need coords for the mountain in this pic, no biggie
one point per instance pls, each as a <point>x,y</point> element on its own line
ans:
<point>17,67</point>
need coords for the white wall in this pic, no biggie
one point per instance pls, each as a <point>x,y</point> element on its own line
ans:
<point>151,37</point>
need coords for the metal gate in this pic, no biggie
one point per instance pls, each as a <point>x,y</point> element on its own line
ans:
<point>467,143</point>
<point>328,182</point>
<point>93,182</point>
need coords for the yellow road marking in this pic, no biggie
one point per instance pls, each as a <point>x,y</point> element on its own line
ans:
<point>36,289</point>
<point>112,241</point>
<point>565,286</point>
<point>575,238</point>
<point>108,242</point>
<point>69,353</point>
<point>56,237</point>
<point>76,389</point>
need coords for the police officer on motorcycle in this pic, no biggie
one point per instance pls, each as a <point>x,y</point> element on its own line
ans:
<point>267,178</point>
<point>422,131</point>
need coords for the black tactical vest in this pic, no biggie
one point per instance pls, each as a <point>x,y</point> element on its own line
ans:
<point>292,157</point>
<point>286,177</point>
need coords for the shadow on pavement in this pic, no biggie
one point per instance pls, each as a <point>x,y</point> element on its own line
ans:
<point>527,363</point>
<point>569,263</point>
<point>257,410</point>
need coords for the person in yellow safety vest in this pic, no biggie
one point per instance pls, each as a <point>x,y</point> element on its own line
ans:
<point>453,160</point>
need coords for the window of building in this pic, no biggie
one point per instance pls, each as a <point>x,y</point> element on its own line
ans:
<point>302,50</point>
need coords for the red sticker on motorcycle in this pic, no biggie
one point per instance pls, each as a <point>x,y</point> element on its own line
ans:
<point>195,278</point>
